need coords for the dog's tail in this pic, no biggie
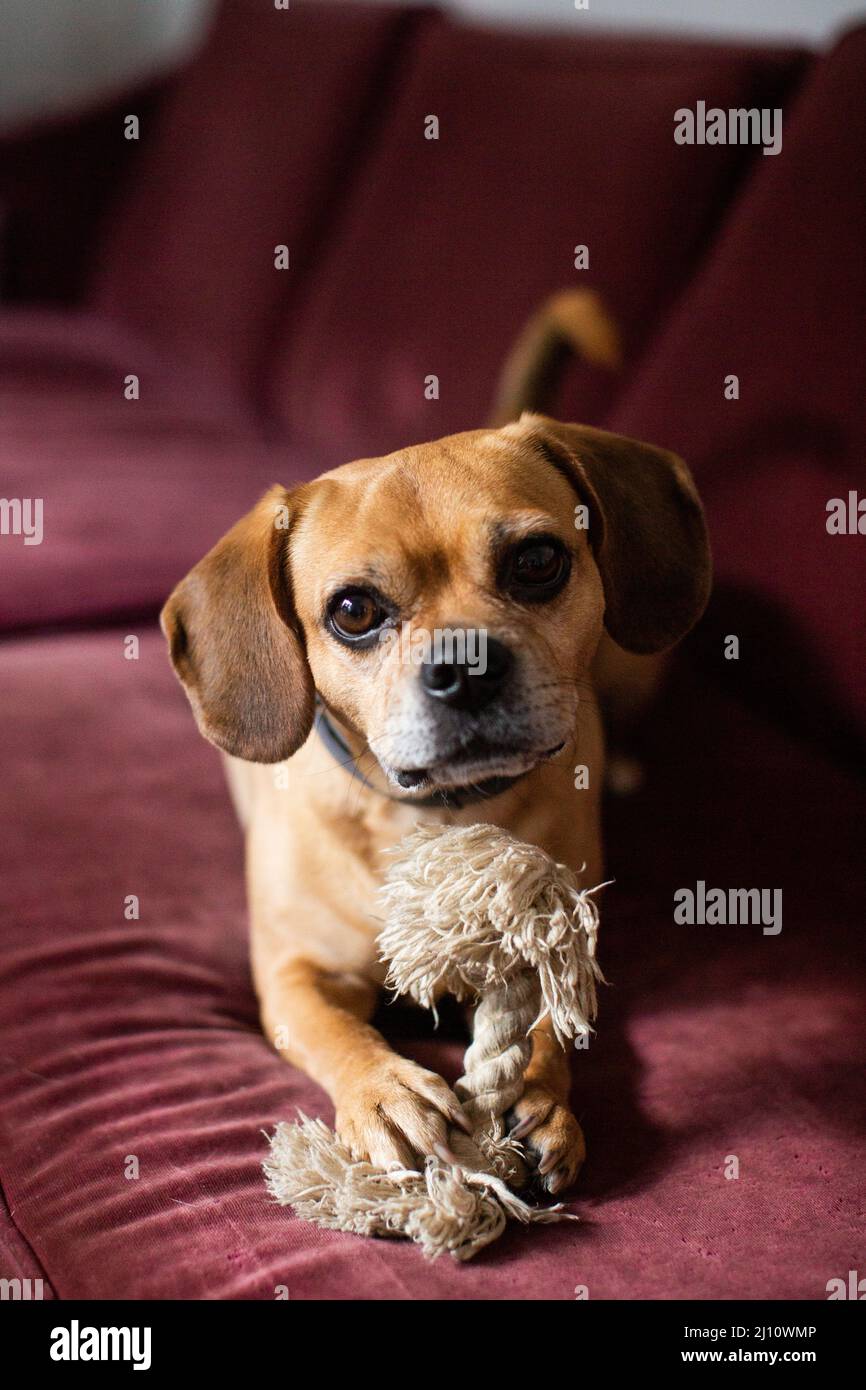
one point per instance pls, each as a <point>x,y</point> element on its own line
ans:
<point>571,323</point>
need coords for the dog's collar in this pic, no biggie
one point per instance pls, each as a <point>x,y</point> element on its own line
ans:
<point>445,800</point>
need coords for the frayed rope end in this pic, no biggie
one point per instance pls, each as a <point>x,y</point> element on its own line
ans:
<point>444,1209</point>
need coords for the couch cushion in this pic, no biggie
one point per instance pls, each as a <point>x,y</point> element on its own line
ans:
<point>57,183</point>
<point>779,303</point>
<point>251,149</point>
<point>545,142</point>
<point>133,492</point>
<point>138,1039</point>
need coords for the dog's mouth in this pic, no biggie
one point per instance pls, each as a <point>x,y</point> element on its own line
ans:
<point>482,768</point>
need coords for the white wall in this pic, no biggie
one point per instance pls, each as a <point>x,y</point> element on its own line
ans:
<point>58,55</point>
<point>812,21</point>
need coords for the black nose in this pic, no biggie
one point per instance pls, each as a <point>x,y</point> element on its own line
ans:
<point>467,685</point>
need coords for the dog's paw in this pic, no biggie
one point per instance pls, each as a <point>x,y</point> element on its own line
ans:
<point>551,1136</point>
<point>397,1113</point>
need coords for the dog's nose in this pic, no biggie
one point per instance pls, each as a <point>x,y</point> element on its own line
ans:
<point>468,685</point>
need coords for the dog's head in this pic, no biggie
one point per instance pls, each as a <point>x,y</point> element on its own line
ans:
<point>445,601</point>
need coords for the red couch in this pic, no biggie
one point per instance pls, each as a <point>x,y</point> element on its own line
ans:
<point>138,1038</point>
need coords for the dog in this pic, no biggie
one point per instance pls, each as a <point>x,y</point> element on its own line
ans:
<point>569,550</point>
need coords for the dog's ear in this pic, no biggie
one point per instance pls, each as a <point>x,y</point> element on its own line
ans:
<point>235,641</point>
<point>646,528</point>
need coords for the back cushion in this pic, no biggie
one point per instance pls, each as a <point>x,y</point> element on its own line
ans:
<point>779,305</point>
<point>250,147</point>
<point>544,143</point>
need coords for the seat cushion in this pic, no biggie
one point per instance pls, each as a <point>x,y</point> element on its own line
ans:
<point>135,1083</point>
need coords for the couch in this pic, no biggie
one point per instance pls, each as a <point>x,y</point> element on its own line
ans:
<point>136,1086</point>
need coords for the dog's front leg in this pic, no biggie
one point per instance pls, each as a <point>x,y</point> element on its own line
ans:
<point>542,1118</point>
<point>388,1109</point>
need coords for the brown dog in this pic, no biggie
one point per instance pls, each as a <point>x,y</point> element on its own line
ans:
<point>443,606</point>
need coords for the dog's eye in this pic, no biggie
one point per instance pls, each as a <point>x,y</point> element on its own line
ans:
<point>354,613</point>
<point>537,564</point>
<point>537,569</point>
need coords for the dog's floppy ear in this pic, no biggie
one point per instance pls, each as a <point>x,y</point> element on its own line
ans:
<point>646,528</point>
<point>235,642</point>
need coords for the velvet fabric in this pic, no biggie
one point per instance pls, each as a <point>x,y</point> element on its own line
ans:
<point>135,1085</point>
<point>138,1039</point>
<point>778,303</point>
<point>544,144</point>
<point>134,489</point>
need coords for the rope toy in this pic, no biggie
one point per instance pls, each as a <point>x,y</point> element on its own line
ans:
<point>471,911</point>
